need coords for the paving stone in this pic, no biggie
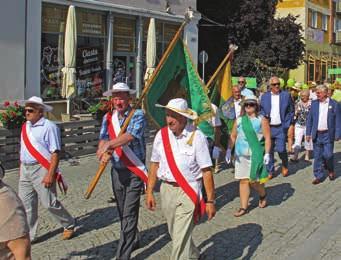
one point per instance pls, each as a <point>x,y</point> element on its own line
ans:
<point>297,212</point>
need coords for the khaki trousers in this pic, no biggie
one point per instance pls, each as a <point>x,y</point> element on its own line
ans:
<point>178,209</point>
<point>31,188</point>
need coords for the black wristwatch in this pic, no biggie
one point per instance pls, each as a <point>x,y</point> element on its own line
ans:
<point>211,202</point>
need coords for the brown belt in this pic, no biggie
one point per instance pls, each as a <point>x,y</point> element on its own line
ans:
<point>174,184</point>
<point>322,131</point>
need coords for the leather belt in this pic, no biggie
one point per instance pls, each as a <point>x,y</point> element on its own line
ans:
<point>30,164</point>
<point>276,125</point>
<point>174,184</point>
<point>322,131</point>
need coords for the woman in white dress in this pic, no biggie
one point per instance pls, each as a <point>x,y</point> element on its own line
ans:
<point>251,137</point>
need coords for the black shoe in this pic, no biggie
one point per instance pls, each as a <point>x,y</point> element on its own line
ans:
<point>111,200</point>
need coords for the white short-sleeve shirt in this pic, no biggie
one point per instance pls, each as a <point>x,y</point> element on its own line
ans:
<point>190,159</point>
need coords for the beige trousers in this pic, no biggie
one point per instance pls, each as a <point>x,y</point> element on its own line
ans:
<point>178,209</point>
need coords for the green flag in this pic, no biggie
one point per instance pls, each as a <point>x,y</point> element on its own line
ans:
<point>177,78</point>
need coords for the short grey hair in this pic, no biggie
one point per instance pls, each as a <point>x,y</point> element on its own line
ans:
<point>322,88</point>
<point>305,92</point>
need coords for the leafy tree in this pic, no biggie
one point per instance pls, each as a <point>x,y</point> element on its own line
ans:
<point>265,44</point>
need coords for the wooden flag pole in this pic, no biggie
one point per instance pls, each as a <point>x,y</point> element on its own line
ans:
<point>232,48</point>
<point>102,166</point>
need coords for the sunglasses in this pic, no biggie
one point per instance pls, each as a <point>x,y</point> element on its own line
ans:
<point>250,104</point>
<point>241,81</point>
<point>275,84</point>
<point>29,110</point>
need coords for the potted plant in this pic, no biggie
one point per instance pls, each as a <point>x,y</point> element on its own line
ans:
<point>13,115</point>
<point>100,109</point>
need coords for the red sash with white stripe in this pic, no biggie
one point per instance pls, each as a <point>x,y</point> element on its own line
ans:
<point>126,155</point>
<point>42,158</point>
<point>193,192</point>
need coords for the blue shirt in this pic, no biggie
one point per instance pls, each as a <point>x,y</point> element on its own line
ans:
<point>246,92</point>
<point>136,128</point>
<point>47,134</point>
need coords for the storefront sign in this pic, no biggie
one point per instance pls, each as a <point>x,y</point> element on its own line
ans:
<point>90,56</point>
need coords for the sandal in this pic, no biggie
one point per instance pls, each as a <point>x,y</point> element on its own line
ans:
<point>241,212</point>
<point>262,201</point>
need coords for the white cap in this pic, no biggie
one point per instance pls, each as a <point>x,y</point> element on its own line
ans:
<point>180,106</point>
<point>118,87</point>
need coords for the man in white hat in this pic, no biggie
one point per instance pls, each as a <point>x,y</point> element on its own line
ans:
<point>180,158</point>
<point>128,171</point>
<point>39,174</point>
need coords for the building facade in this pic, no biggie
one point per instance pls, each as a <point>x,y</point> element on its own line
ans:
<point>111,44</point>
<point>321,21</point>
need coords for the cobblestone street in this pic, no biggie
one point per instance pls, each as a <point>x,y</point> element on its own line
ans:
<point>302,221</point>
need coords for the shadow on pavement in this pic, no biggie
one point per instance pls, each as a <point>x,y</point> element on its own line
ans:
<point>96,219</point>
<point>233,243</point>
<point>108,251</point>
<point>279,193</point>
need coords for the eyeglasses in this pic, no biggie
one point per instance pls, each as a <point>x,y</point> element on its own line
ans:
<point>241,82</point>
<point>250,104</point>
<point>29,110</point>
<point>275,84</point>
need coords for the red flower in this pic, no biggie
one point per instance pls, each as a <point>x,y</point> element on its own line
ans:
<point>6,104</point>
<point>16,104</point>
<point>13,114</point>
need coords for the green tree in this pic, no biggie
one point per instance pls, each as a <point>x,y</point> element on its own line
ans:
<point>265,44</point>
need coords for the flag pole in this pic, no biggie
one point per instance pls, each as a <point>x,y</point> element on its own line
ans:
<point>170,47</point>
<point>232,49</point>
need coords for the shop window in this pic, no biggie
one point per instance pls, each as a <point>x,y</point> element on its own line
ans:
<point>313,21</point>
<point>124,34</point>
<point>325,22</point>
<point>164,34</point>
<point>52,50</point>
<point>323,71</point>
<point>91,39</point>
<point>311,71</point>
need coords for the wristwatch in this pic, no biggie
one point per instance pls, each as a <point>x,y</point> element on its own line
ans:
<point>211,202</point>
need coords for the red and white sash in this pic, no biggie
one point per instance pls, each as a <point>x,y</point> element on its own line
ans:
<point>40,153</point>
<point>126,155</point>
<point>191,188</point>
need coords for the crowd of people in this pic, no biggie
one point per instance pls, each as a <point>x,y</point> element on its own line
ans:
<point>257,126</point>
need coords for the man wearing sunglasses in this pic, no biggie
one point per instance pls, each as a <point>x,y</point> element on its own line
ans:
<point>278,107</point>
<point>243,89</point>
<point>39,174</point>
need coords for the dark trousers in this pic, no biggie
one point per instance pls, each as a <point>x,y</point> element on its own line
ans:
<point>278,144</point>
<point>323,151</point>
<point>127,189</point>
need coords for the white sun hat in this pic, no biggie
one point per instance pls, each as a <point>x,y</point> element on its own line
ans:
<point>118,87</point>
<point>249,99</point>
<point>180,106</point>
<point>37,101</point>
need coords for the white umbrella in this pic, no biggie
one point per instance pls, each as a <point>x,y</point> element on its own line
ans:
<point>70,49</point>
<point>151,49</point>
<point>60,56</point>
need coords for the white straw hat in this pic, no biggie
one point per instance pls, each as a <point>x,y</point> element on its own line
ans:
<point>37,101</point>
<point>180,106</point>
<point>118,87</point>
<point>249,99</point>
